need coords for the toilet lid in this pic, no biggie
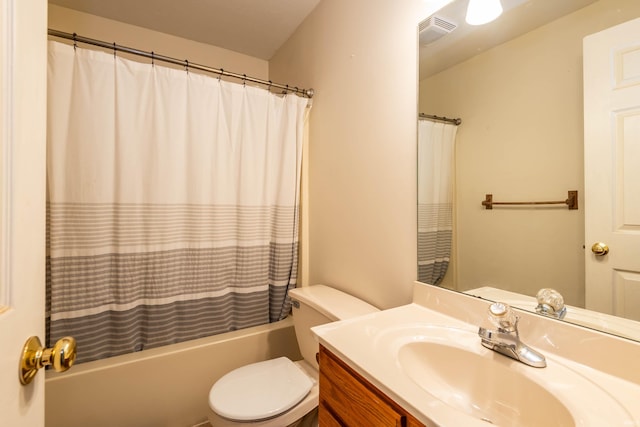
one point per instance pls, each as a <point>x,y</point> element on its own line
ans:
<point>259,390</point>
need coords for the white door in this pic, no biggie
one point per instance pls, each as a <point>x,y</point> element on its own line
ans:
<point>23,59</point>
<point>612,169</point>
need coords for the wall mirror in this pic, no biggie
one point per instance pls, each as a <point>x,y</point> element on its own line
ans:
<point>517,86</point>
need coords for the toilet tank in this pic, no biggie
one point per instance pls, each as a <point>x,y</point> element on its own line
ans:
<point>317,305</point>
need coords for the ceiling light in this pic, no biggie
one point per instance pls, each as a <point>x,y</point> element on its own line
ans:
<point>482,11</point>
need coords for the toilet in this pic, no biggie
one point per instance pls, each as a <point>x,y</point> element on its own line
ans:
<point>280,392</point>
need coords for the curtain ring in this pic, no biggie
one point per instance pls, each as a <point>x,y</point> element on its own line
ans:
<point>186,65</point>
<point>269,87</point>
<point>75,41</point>
<point>220,74</point>
<point>153,64</point>
<point>114,49</point>
<point>244,80</point>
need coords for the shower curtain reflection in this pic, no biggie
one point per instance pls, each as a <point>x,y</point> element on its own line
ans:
<point>436,143</point>
<point>172,208</point>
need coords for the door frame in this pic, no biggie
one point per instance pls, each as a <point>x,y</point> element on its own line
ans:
<point>23,97</point>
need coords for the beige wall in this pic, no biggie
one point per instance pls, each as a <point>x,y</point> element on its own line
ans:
<point>72,21</point>
<point>521,139</point>
<point>360,57</point>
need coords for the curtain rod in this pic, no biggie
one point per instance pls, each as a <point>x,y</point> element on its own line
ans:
<point>153,56</point>
<point>456,121</point>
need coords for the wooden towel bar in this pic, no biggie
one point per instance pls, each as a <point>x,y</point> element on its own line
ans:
<point>571,201</point>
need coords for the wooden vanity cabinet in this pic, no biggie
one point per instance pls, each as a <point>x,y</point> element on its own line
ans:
<point>349,400</point>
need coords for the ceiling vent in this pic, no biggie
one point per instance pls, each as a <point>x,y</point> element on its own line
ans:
<point>434,28</point>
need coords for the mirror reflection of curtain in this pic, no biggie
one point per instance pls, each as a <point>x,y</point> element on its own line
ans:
<point>172,203</point>
<point>436,147</point>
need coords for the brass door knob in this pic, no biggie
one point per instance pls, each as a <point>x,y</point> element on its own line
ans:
<point>34,357</point>
<point>600,249</point>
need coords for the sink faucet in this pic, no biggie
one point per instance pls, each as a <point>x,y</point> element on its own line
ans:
<point>505,338</point>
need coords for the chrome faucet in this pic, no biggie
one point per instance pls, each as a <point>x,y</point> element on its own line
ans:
<point>505,338</point>
<point>551,303</point>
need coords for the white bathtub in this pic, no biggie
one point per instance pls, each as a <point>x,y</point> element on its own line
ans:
<point>162,387</point>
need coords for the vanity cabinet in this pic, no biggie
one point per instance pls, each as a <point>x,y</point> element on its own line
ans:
<point>349,400</point>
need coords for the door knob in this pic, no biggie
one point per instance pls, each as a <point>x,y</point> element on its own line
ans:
<point>600,249</point>
<point>61,356</point>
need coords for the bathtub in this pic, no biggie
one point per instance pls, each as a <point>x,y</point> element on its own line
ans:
<point>161,387</point>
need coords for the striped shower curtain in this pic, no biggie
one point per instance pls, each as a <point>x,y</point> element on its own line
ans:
<point>436,143</point>
<point>172,203</point>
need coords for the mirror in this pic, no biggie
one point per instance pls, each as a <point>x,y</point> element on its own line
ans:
<point>516,84</point>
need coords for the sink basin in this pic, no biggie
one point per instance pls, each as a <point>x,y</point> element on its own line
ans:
<point>451,365</point>
<point>482,386</point>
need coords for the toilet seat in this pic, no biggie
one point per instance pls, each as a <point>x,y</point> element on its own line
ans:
<point>260,390</point>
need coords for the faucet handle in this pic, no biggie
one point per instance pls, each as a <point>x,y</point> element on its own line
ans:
<point>503,317</point>
<point>550,303</point>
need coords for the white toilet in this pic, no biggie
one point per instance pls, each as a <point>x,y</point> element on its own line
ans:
<point>279,392</point>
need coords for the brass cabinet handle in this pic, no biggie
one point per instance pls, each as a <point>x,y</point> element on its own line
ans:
<point>61,356</point>
<point>600,249</point>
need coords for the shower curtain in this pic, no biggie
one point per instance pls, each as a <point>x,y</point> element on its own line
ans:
<point>436,143</point>
<point>172,203</point>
